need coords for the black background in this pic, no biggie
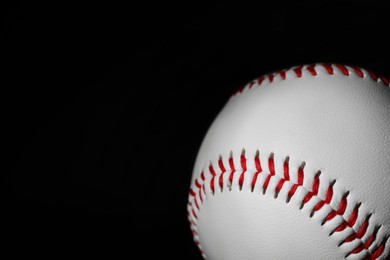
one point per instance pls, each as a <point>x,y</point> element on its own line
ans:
<point>105,106</point>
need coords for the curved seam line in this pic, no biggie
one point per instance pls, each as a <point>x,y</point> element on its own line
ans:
<point>215,175</point>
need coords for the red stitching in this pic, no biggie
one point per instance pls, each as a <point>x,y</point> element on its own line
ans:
<point>243,160</point>
<point>258,170</point>
<point>243,166</point>
<point>373,75</point>
<point>343,69</point>
<point>365,246</point>
<point>329,68</point>
<point>192,193</point>
<point>328,199</point>
<point>361,232</point>
<point>223,170</point>
<point>257,162</point>
<point>286,174</point>
<point>260,80</point>
<point>341,209</point>
<point>298,71</point>
<point>251,84</point>
<point>311,69</point>
<point>358,71</point>
<point>212,172</point>
<point>200,194</point>
<point>271,167</point>
<point>220,164</point>
<point>231,163</point>
<point>385,80</point>
<point>271,78</point>
<point>298,184</point>
<point>316,183</point>
<point>282,74</point>
<point>197,184</point>
<point>379,250</point>
<point>314,192</point>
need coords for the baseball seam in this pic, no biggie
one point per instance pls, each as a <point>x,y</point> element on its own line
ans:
<point>198,191</point>
<point>206,185</point>
<point>312,69</point>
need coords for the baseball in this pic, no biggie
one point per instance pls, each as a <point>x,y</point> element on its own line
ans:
<point>297,166</point>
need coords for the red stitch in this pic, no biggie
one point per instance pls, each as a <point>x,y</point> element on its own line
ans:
<point>354,215</point>
<point>258,170</point>
<point>328,68</point>
<point>212,184</point>
<point>286,175</point>
<point>330,216</point>
<point>241,180</point>
<point>279,186</point>
<point>378,252</point>
<point>282,74</point>
<point>358,71</point>
<point>220,164</point>
<point>315,187</point>
<point>197,184</point>
<point>341,227</point>
<point>196,203</point>
<point>194,214</point>
<point>366,245</point>
<point>202,176</point>
<point>243,160</point>
<point>370,241</point>
<point>385,80</point>
<point>251,84</point>
<point>271,78</point>
<point>221,180</point>
<point>311,69</point>
<point>299,182</point>
<point>307,198</point>
<point>211,170</point>
<point>362,230</point>
<point>328,199</point>
<point>319,205</point>
<point>343,205</point>
<point>200,195</point>
<point>239,90</point>
<point>293,190</point>
<point>231,163</point>
<point>223,170</point>
<point>343,69</point>
<point>266,182</point>
<point>231,177</point>
<point>260,80</point>
<point>254,179</point>
<point>340,211</point>
<point>298,71</point>
<point>271,164</point>
<point>271,167</point>
<point>286,169</point>
<point>257,162</point>
<point>192,193</point>
<point>373,75</point>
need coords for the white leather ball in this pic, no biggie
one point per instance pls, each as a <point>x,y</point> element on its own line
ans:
<point>297,166</point>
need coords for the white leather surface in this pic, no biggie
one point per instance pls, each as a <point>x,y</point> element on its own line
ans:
<point>334,123</point>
